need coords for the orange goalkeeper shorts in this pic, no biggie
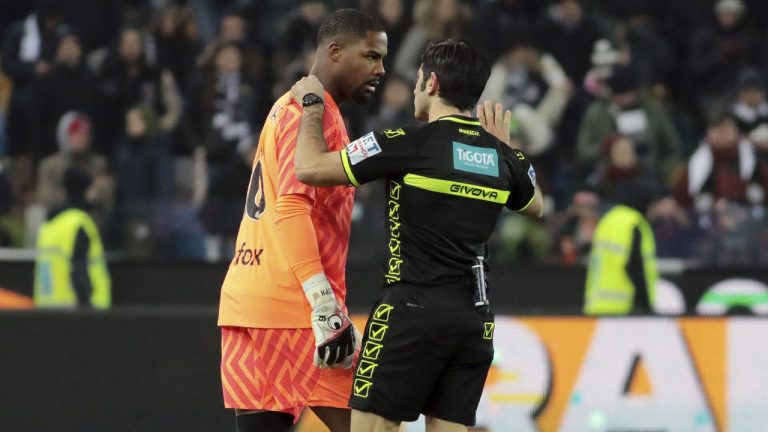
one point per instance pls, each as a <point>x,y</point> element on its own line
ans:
<point>273,370</point>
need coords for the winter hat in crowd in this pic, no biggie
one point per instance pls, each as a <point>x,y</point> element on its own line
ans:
<point>70,123</point>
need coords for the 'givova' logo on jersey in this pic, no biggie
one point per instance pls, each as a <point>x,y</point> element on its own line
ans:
<point>474,191</point>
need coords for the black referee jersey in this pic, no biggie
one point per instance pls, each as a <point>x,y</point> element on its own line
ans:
<point>446,184</point>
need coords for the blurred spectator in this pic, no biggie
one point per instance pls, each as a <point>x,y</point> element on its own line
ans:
<point>69,86</point>
<point>603,59</point>
<point>152,220</point>
<point>619,164</point>
<point>724,185</point>
<point>144,166</point>
<point>220,109</point>
<point>725,167</point>
<point>574,238</point>
<point>126,79</point>
<point>719,51</point>
<point>535,87</point>
<point>568,35</point>
<point>626,112</point>
<point>75,152</point>
<point>750,109</point>
<point>432,19</point>
<point>175,40</point>
<point>28,49</point>
<point>650,54</point>
<point>233,28</point>
<point>70,269</point>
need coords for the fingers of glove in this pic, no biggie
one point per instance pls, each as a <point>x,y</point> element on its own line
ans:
<point>318,360</point>
<point>358,337</point>
<point>348,361</point>
<point>335,358</point>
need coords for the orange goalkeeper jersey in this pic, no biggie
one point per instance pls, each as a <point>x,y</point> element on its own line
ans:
<point>260,289</point>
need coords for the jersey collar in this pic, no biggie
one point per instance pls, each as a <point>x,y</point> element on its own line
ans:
<point>472,121</point>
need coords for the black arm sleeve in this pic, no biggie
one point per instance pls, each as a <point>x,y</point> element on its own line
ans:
<point>522,185</point>
<point>636,273</point>
<point>81,282</point>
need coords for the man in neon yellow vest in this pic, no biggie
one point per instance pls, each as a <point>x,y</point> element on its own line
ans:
<point>622,274</point>
<point>70,269</point>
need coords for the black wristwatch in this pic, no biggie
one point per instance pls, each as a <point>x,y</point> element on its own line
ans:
<point>311,99</point>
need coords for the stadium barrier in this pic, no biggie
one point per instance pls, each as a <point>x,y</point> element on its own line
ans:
<point>523,288</point>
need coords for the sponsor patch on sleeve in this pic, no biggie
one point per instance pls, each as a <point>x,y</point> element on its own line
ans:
<point>363,148</point>
<point>532,175</point>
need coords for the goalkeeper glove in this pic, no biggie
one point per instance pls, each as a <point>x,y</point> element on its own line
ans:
<point>336,339</point>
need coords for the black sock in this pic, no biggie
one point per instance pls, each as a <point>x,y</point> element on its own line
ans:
<point>264,421</point>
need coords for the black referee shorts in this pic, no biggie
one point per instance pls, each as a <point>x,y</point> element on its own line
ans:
<point>425,350</point>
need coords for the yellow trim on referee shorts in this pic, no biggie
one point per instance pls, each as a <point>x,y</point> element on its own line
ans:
<point>348,168</point>
<point>458,120</point>
<point>529,202</point>
<point>464,190</point>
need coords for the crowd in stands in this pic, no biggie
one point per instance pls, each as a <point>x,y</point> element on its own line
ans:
<point>161,104</point>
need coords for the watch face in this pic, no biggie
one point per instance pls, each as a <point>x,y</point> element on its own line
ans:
<point>311,99</point>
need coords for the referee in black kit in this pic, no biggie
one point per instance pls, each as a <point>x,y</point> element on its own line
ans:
<point>428,343</point>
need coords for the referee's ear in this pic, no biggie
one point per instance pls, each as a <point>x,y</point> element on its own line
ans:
<point>433,85</point>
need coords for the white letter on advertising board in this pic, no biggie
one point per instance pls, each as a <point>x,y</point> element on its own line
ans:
<point>625,351</point>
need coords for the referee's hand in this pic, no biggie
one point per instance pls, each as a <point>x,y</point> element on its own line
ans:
<point>494,122</point>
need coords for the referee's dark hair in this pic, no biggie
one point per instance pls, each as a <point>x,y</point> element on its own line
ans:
<point>346,23</point>
<point>461,69</point>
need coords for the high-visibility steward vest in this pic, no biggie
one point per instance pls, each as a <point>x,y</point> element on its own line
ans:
<point>53,267</point>
<point>609,289</point>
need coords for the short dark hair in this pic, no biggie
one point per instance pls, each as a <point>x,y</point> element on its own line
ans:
<point>346,23</point>
<point>461,69</point>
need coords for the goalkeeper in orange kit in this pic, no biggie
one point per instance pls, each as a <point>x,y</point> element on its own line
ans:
<point>287,342</point>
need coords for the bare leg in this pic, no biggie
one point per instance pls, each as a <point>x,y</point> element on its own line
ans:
<point>337,419</point>
<point>368,422</point>
<point>435,424</point>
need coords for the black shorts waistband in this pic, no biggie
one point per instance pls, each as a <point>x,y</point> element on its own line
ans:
<point>450,295</point>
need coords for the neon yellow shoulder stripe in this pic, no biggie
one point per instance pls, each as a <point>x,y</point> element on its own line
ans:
<point>458,120</point>
<point>464,190</point>
<point>348,168</point>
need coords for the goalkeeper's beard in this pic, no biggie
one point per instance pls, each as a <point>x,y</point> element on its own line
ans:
<point>361,95</point>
